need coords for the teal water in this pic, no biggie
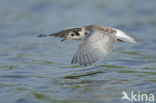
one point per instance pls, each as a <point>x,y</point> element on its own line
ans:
<point>38,70</point>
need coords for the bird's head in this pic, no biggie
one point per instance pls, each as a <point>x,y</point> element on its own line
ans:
<point>74,35</point>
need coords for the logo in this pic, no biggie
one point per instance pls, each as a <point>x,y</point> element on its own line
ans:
<point>137,96</point>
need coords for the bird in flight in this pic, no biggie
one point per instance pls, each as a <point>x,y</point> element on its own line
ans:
<point>96,41</point>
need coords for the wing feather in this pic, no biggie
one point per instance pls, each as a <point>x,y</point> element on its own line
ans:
<point>64,33</point>
<point>95,46</point>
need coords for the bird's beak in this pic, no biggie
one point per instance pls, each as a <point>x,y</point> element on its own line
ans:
<point>67,38</point>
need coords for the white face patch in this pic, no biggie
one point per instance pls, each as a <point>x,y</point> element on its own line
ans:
<point>80,32</point>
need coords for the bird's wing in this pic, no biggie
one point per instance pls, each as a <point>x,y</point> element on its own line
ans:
<point>95,46</point>
<point>64,33</point>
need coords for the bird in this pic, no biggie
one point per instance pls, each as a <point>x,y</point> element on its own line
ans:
<point>96,41</point>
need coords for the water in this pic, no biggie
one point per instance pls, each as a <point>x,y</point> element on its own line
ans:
<point>38,70</point>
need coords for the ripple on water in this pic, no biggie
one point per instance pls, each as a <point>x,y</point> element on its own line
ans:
<point>35,70</point>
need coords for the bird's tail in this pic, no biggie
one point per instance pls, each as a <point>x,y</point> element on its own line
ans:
<point>121,36</point>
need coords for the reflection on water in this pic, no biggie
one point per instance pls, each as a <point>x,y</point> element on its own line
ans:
<point>38,70</point>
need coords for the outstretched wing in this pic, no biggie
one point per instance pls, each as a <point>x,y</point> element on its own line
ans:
<point>95,46</point>
<point>64,33</point>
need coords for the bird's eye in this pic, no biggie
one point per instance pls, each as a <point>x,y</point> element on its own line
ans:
<point>72,34</point>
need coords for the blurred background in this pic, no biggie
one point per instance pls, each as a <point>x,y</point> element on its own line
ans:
<point>38,70</point>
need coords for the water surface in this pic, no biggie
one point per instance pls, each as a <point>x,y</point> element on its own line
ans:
<point>38,70</point>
